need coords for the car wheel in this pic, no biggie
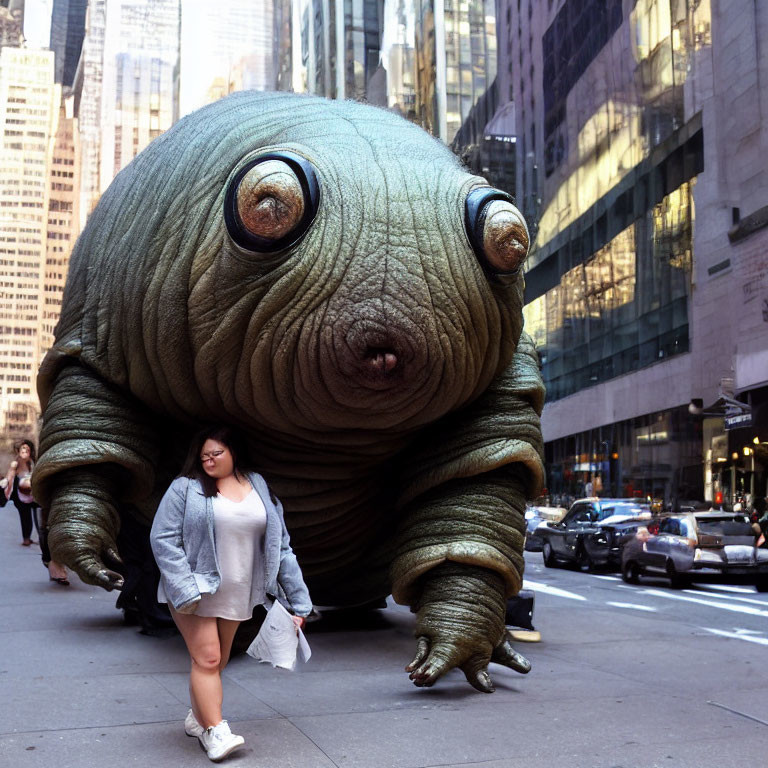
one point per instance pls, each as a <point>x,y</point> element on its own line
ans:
<point>761,585</point>
<point>630,572</point>
<point>676,581</point>
<point>549,558</point>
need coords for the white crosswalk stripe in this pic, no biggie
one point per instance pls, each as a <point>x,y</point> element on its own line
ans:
<point>722,606</point>
<point>634,606</point>
<point>538,586</point>
<point>727,597</point>
<point>728,588</point>
<point>737,636</point>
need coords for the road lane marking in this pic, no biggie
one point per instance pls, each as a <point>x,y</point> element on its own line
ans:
<point>722,606</point>
<point>634,606</point>
<point>728,588</point>
<point>538,586</point>
<point>606,578</point>
<point>736,712</point>
<point>728,597</point>
<point>738,636</point>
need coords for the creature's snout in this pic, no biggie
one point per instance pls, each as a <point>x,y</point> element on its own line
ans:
<point>382,361</point>
<point>376,353</point>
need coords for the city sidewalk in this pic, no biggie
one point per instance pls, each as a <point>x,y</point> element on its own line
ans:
<point>80,689</point>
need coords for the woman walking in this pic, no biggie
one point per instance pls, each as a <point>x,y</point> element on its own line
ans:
<point>18,489</point>
<point>222,548</point>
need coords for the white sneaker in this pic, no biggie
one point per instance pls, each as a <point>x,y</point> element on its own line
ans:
<point>191,726</point>
<point>218,741</point>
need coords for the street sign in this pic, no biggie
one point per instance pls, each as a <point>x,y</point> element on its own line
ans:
<point>738,420</point>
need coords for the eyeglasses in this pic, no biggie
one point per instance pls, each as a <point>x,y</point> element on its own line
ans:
<point>211,455</point>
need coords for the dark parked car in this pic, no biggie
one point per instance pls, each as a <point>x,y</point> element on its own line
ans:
<point>700,546</point>
<point>605,545</point>
<point>587,536</point>
<point>535,517</point>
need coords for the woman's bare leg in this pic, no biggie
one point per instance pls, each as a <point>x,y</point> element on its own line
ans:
<point>201,634</point>
<point>227,629</point>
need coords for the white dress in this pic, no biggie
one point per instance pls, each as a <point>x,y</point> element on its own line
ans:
<point>239,528</point>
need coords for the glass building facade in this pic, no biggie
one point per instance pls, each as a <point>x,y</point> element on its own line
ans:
<point>432,60</point>
<point>67,32</point>
<point>623,307</point>
<point>642,457</point>
<point>610,146</point>
<point>610,275</point>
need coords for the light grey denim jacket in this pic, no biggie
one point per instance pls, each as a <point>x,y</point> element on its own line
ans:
<point>184,545</point>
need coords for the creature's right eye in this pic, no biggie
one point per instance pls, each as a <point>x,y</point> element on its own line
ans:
<point>496,230</point>
<point>271,202</point>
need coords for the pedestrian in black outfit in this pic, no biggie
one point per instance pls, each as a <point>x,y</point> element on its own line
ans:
<point>19,490</point>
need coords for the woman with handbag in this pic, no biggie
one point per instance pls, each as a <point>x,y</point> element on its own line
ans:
<point>222,547</point>
<point>18,489</point>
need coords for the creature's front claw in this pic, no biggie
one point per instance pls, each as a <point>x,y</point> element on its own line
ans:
<point>432,662</point>
<point>429,664</point>
<point>92,569</point>
<point>505,654</point>
<point>422,651</point>
<point>114,555</point>
<point>479,679</point>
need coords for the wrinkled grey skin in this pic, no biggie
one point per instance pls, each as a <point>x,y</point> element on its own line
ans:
<point>412,483</point>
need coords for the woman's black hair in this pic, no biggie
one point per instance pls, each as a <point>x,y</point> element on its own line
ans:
<point>32,450</point>
<point>228,436</point>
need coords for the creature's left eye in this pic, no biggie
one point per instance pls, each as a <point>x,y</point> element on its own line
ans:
<point>271,202</point>
<point>496,230</point>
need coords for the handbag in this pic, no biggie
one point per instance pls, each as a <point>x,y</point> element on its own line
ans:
<point>279,642</point>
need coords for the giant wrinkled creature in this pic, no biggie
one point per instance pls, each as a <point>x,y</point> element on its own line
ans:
<point>326,276</point>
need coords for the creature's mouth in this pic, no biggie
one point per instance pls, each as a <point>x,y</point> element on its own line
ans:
<point>381,361</point>
<point>372,354</point>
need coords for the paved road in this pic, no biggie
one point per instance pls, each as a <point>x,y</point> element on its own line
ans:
<point>625,677</point>
<point>724,610</point>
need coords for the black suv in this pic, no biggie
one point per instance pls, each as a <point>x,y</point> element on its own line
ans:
<point>592,532</point>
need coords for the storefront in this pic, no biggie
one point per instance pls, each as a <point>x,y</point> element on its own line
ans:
<point>657,455</point>
<point>735,449</point>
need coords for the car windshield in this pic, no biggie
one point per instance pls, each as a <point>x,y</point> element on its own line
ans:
<point>725,527</point>
<point>625,510</point>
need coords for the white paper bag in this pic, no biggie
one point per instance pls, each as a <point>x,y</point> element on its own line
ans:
<point>278,642</point>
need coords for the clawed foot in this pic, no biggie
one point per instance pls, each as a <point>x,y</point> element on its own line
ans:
<point>93,569</point>
<point>431,662</point>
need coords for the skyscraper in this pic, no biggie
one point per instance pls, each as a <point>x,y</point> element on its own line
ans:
<point>88,97</point>
<point>643,161</point>
<point>11,22</point>
<point>225,47</point>
<point>29,102</point>
<point>67,32</point>
<point>432,60</point>
<point>139,97</point>
<point>63,224</point>
<point>125,86</point>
